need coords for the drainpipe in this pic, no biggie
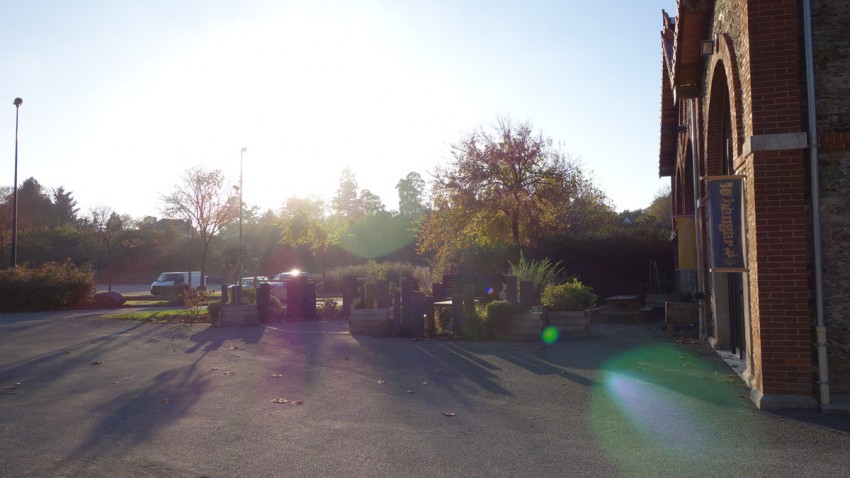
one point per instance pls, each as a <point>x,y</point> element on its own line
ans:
<point>820,328</point>
<point>697,207</point>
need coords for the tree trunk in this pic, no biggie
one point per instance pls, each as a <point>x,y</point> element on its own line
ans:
<point>109,268</point>
<point>515,229</point>
<point>203,284</point>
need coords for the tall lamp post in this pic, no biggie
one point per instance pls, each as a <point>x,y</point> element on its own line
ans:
<point>17,104</point>
<point>241,153</point>
<point>241,248</point>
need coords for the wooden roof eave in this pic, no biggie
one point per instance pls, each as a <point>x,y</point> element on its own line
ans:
<point>687,58</point>
<point>669,112</point>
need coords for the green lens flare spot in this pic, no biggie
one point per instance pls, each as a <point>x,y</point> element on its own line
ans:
<point>549,335</point>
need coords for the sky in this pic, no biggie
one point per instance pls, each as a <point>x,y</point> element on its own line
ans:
<point>120,99</point>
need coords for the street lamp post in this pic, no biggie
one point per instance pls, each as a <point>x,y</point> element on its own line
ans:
<point>17,104</point>
<point>241,247</point>
<point>241,153</point>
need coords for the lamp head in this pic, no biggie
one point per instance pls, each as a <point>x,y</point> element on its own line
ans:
<point>18,102</point>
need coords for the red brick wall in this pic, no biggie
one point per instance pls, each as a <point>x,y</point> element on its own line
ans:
<point>778,230</point>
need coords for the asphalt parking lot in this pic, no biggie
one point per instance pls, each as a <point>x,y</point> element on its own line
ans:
<point>87,396</point>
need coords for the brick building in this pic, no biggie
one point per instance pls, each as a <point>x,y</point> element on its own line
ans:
<point>755,137</point>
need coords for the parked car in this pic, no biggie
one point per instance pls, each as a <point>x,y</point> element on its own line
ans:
<point>278,283</point>
<point>248,282</point>
<point>174,282</point>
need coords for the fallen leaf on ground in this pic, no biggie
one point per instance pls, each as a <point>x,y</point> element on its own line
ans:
<point>234,347</point>
<point>228,373</point>
<point>280,400</point>
<point>165,401</point>
<point>277,375</point>
<point>215,368</point>
<point>411,391</point>
<point>424,383</point>
<point>97,362</point>
<point>380,382</point>
<point>298,402</point>
<point>449,414</point>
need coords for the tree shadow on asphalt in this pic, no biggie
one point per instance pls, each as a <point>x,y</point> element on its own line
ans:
<point>47,367</point>
<point>213,338</point>
<point>135,416</point>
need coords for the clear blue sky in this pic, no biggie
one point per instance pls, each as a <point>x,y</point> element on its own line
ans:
<point>121,97</point>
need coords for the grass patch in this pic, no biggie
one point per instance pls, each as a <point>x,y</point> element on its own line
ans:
<point>180,316</point>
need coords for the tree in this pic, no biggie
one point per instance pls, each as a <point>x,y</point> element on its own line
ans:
<point>660,212</point>
<point>35,210</point>
<point>411,192</point>
<point>5,222</point>
<point>509,186</point>
<point>371,203</point>
<point>64,206</point>
<point>510,171</point>
<point>346,204</point>
<point>107,226</point>
<point>303,222</point>
<point>202,201</point>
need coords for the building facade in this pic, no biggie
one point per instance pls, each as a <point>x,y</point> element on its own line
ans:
<point>755,138</point>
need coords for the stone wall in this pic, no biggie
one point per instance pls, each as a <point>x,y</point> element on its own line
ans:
<point>831,22</point>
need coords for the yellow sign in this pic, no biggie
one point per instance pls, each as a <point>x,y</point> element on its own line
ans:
<point>686,233</point>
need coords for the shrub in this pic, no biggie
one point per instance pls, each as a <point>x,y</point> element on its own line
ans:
<point>374,271</point>
<point>49,286</point>
<point>214,310</point>
<point>571,295</point>
<point>249,295</point>
<point>476,326</point>
<point>442,320</point>
<point>195,300</point>
<point>328,309</point>
<point>499,314</point>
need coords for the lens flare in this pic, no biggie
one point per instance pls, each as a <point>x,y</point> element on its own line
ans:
<point>549,335</point>
<point>489,291</point>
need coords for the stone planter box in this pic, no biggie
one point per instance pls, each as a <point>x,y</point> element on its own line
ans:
<point>370,322</point>
<point>238,315</point>
<point>569,321</point>
<point>527,325</point>
<point>681,313</point>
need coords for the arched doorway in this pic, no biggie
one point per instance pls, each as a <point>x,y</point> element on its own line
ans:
<point>728,288</point>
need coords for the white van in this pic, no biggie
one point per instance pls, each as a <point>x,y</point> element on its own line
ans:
<point>174,282</point>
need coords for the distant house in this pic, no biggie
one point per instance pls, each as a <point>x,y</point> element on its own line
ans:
<point>755,138</point>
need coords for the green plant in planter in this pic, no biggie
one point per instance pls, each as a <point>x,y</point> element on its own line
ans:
<point>542,272</point>
<point>214,310</point>
<point>500,313</point>
<point>571,295</point>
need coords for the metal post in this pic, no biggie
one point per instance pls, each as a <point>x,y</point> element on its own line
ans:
<point>17,104</point>
<point>241,251</point>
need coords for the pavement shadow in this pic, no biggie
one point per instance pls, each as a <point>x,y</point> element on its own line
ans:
<point>839,422</point>
<point>46,367</point>
<point>135,416</point>
<point>212,338</point>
